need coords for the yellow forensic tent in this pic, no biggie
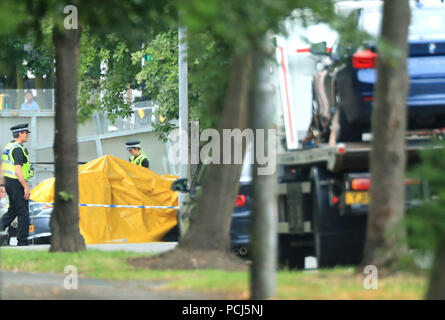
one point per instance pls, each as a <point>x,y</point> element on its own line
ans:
<point>112,181</point>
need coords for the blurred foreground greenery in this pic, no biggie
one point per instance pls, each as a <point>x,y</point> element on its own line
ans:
<point>338,283</point>
<point>426,223</point>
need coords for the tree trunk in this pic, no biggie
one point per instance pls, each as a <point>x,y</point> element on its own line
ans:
<point>386,237</point>
<point>20,98</point>
<point>210,220</point>
<point>39,84</point>
<point>264,216</point>
<point>12,80</point>
<point>436,289</point>
<point>20,80</point>
<point>65,218</point>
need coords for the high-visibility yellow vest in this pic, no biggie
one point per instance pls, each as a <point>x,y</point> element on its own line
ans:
<point>8,162</point>
<point>138,160</point>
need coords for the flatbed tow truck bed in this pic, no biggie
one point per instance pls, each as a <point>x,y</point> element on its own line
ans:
<point>353,155</point>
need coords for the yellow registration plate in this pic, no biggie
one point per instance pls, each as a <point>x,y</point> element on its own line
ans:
<point>31,228</point>
<point>357,197</point>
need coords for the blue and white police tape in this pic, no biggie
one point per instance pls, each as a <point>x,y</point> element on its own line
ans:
<point>114,206</point>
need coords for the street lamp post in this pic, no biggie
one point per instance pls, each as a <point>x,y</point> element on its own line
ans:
<point>183,108</point>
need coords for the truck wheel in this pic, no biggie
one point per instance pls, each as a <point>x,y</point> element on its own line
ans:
<point>338,239</point>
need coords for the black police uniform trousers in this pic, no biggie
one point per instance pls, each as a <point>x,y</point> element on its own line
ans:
<point>18,207</point>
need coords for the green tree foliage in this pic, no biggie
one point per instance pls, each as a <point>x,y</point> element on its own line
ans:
<point>239,23</point>
<point>40,55</point>
<point>158,77</point>
<point>427,222</point>
<point>105,89</point>
<point>12,54</point>
<point>208,63</point>
<point>23,53</point>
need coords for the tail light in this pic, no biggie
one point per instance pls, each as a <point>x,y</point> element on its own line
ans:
<point>410,182</point>
<point>240,201</point>
<point>364,59</point>
<point>361,184</point>
<point>341,148</point>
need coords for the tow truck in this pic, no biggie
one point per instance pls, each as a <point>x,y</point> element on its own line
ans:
<point>323,188</point>
<point>323,199</point>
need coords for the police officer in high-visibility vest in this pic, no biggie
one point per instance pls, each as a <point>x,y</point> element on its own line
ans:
<point>15,172</point>
<point>137,157</point>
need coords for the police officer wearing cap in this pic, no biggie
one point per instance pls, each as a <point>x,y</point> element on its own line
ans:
<point>137,158</point>
<point>15,172</point>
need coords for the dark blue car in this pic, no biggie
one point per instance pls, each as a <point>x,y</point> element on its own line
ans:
<point>239,229</point>
<point>345,85</point>
<point>40,216</point>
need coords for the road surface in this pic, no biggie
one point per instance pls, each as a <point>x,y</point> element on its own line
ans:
<point>149,247</point>
<point>47,286</point>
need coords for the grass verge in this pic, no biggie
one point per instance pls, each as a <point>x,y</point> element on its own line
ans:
<point>338,283</point>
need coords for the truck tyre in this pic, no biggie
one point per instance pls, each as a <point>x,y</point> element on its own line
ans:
<point>338,239</point>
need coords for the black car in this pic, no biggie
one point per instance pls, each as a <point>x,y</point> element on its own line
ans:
<point>239,230</point>
<point>343,91</point>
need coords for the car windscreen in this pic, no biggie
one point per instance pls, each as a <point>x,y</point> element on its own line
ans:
<point>426,23</point>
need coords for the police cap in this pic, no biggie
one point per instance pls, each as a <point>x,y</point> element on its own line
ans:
<point>20,128</point>
<point>133,144</point>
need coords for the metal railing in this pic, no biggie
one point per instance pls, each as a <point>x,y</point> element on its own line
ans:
<point>143,116</point>
<point>38,101</point>
<point>27,99</point>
